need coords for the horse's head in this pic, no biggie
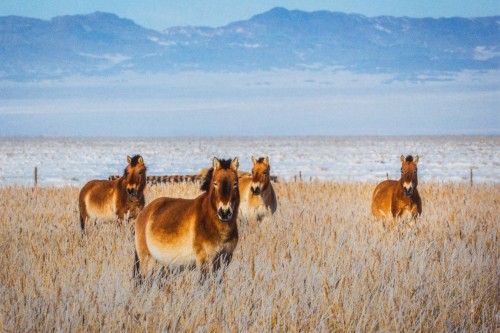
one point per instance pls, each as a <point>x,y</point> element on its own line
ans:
<point>135,173</point>
<point>221,183</point>
<point>409,178</point>
<point>260,175</point>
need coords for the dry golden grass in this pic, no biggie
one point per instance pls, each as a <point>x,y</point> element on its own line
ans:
<point>320,264</point>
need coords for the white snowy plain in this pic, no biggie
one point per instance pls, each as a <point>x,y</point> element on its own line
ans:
<point>74,161</point>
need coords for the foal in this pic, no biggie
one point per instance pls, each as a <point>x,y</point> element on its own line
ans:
<point>187,232</point>
<point>106,199</point>
<point>394,199</point>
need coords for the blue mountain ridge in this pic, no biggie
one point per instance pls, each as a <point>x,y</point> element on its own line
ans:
<point>105,44</point>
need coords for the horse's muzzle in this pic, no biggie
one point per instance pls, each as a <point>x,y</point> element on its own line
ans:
<point>131,191</point>
<point>225,214</point>
<point>408,191</point>
<point>255,190</point>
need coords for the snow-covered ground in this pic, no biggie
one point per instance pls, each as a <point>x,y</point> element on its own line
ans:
<point>62,161</point>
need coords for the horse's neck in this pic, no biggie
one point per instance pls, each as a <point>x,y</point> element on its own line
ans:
<point>121,187</point>
<point>399,187</point>
<point>268,194</point>
<point>120,182</point>
<point>206,205</point>
<point>142,187</point>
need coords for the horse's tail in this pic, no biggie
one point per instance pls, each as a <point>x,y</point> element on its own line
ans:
<point>82,222</point>
<point>82,210</point>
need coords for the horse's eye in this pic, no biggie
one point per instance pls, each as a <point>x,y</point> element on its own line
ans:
<point>265,173</point>
<point>215,184</point>
<point>235,184</point>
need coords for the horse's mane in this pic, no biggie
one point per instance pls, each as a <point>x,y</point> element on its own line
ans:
<point>409,158</point>
<point>205,185</point>
<point>261,159</point>
<point>133,162</point>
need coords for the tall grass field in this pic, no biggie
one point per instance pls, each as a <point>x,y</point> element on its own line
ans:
<point>322,263</point>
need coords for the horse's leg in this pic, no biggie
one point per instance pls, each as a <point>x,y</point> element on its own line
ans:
<point>202,263</point>
<point>121,212</point>
<point>136,273</point>
<point>143,257</point>
<point>222,260</point>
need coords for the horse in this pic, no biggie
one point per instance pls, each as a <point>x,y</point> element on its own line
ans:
<point>258,199</point>
<point>399,199</point>
<point>107,199</point>
<point>188,233</point>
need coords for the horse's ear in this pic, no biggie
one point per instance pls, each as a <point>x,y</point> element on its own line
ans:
<point>267,160</point>
<point>403,158</point>
<point>254,160</point>
<point>235,164</point>
<point>416,159</point>
<point>141,160</point>
<point>129,159</point>
<point>215,163</point>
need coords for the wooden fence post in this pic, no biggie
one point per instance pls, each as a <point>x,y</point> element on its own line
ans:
<point>471,177</point>
<point>36,176</point>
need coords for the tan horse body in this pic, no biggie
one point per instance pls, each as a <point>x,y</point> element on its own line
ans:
<point>258,199</point>
<point>188,232</point>
<point>394,199</point>
<point>107,199</point>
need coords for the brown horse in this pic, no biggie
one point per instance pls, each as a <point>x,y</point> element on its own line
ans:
<point>258,198</point>
<point>106,199</point>
<point>187,232</point>
<point>399,199</point>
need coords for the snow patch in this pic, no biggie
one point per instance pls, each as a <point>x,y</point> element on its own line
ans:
<point>381,28</point>
<point>74,161</point>
<point>162,42</point>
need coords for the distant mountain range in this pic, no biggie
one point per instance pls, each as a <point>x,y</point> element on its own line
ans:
<point>105,44</point>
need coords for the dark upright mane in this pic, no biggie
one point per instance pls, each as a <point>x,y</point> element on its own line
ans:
<point>261,159</point>
<point>409,158</point>
<point>205,185</point>
<point>133,162</point>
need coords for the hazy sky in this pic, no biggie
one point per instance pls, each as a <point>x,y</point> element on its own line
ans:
<point>161,14</point>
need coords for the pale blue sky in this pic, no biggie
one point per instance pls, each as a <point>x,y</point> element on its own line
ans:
<point>161,14</point>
